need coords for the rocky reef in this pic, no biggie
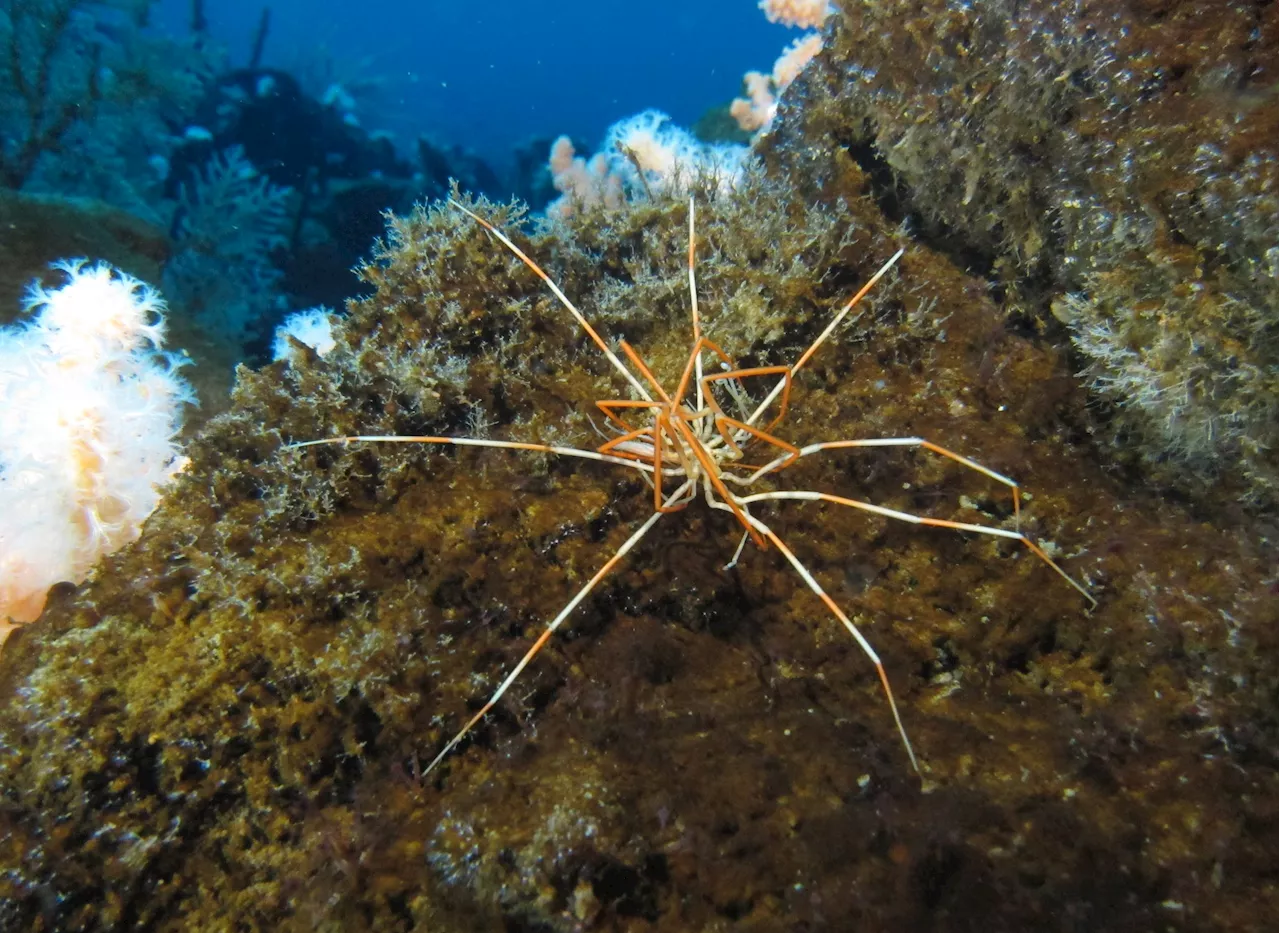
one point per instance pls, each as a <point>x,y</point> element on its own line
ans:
<point>226,727</point>
<point>1115,162</point>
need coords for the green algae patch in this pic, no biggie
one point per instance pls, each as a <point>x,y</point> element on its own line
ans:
<point>226,727</point>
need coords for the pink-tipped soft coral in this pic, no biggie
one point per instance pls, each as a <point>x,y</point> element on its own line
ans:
<point>807,14</point>
<point>645,153</point>
<point>89,408</point>
<point>756,111</point>
<point>581,182</point>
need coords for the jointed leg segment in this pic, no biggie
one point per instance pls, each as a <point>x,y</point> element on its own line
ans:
<point>697,448</point>
<point>551,629</point>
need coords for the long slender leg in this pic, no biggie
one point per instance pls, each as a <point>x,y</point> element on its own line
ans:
<point>809,496</point>
<point>694,365</point>
<point>739,374</point>
<point>555,290</point>
<point>827,331</point>
<point>551,628</point>
<point>844,620</point>
<point>475,442</point>
<point>901,442</point>
<point>723,424</point>
<point>711,475</point>
<point>737,553</point>
<point>693,306</point>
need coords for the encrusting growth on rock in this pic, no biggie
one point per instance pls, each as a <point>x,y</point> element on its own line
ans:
<point>229,723</point>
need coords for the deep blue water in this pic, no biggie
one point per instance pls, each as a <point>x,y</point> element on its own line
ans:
<point>491,75</point>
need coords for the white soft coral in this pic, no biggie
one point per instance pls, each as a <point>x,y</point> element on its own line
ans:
<point>646,152</point>
<point>89,408</point>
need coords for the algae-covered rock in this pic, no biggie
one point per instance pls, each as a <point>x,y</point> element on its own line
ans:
<point>1115,162</point>
<point>226,727</point>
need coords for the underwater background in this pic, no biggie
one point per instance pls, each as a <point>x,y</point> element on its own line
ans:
<point>490,76</point>
<point>227,722</point>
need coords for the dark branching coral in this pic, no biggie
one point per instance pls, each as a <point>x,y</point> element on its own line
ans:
<point>91,98</point>
<point>52,78</point>
<point>1115,160</point>
<point>225,728</point>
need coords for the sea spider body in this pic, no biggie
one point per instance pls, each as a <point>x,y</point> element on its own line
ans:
<point>697,438</point>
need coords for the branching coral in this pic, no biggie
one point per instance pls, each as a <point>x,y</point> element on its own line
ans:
<point>89,98</point>
<point>229,220</point>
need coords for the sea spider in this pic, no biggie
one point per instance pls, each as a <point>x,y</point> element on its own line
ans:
<point>680,448</point>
